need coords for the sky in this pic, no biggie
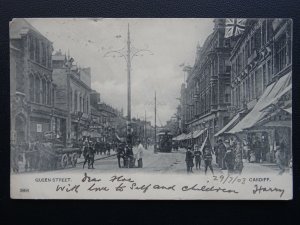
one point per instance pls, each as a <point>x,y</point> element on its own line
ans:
<point>172,42</point>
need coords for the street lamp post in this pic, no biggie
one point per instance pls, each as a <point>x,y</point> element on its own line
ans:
<point>155,150</point>
<point>128,78</point>
<point>128,55</point>
<point>79,114</point>
<point>68,97</point>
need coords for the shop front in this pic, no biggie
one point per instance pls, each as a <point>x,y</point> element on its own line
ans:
<point>268,125</point>
<point>39,125</point>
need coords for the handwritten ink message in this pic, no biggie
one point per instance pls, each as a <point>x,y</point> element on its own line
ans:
<point>140,186</point>
<point>122,183</point>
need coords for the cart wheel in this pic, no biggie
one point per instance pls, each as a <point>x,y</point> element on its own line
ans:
<point>74,158</point>
<point>64,161</point>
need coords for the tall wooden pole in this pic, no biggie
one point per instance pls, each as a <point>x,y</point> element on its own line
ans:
<point>129,87</point>
<point>145,130</point>
<point>155,122</point>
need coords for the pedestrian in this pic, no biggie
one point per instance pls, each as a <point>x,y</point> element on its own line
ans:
<point>246,149</point>
<point>189,157</point>
<point>14,158</point>
<point>227,146</point>
<point>198,155</point>
<point>91,155</point>
<point>220,153</point>
<point>97,146</point>
<point>229,159</point>
<point>121,154</point>
<point>139,155</point>
<point>257,149</point>
<point>86,153</point>
<point>108,147</point>
<point>264,147</point>
<point>129,159</point>
<point>207,157</point>
<point>280,158</point>
<point>238,158</point>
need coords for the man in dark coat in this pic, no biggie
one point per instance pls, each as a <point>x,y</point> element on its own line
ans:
<point>229,160</point>
<point>220,152</point>
<point>128,157</point>
<point>189,158</point>
<point>91,155</point>
<point>207,157</point>
<point>120,153</point>
<point>198,155</point>
<point>280,159</point>
<point>257,149</point>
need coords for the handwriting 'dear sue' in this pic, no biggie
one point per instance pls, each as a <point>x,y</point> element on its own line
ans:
<point>87,178</point>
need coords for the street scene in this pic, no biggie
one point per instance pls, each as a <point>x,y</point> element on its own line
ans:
<point>165,96</point>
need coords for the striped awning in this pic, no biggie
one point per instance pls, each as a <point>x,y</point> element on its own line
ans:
<point>273,91</point>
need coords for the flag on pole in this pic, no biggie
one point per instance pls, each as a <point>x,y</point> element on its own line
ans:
<point>203,144</point>
<point>234,27</point>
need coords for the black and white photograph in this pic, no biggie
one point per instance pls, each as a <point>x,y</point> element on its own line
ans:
<point>151,108</point>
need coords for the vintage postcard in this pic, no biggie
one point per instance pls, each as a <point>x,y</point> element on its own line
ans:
<point>105,108</point>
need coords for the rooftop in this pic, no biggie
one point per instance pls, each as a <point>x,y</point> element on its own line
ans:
<point>20,26</point>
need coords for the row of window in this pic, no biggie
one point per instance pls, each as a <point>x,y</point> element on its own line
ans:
<point>202,102</point>
<point>40,90</point>
<point>40,51</point>
<point>79,103</point>
<point>259,38</point>
<point>282,48</point>
<point>102,119</point>
<point>253,85</point>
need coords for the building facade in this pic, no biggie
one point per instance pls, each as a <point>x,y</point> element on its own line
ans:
<point>106,119</point>
<point>73,88</point>
<point>32,88</point>
<point>261,56</point>
<point>208,88</point>
<point>261,78</point>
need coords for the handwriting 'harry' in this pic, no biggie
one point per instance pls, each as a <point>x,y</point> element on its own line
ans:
<point>260,189</point>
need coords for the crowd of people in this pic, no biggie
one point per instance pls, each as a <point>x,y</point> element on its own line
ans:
<point>194,152</point>
<point>43,155</point>
<point>231,153</point>
<point>229,156</point>
<point>123,152</point>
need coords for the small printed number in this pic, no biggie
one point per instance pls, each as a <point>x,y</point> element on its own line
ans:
<point>24,190</point>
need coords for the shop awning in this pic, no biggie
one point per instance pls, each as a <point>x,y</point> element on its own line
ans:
<point>257,113</point>
<point>198,133</point>
<point>289,110</point>
<point>180,137</point>
<point>277,98</point>
<point>192,134</point>
<point>270,124</point>
<point>176,138</point>
<point>188,136</point>
<point>231,123</point>
<point>195,134</point>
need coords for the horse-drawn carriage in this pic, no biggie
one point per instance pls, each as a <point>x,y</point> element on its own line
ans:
<point>50,153</point>
<point>45,156</point>
<point>67,156</point>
